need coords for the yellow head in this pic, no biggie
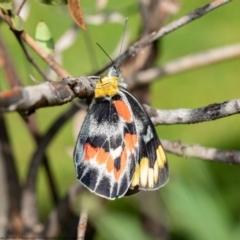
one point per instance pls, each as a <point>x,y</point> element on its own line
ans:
<point>107,86</point>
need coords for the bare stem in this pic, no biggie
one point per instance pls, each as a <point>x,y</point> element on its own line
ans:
<point>82,225</point>
<point>204,153</point>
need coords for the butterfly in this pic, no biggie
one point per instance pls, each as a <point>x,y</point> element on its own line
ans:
<point>118,149</point>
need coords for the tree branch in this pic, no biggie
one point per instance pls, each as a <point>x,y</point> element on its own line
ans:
<point>20,7</point>
<point>185,116</point>
<point>58,93</point>
<point>12,179</point>
<point>60,215</point>
<point>82,225</point>
<point>32,43</point>
<point>187,63</point>
<point>204,153</point>
<point>46,94</point>
<point>147,40</point>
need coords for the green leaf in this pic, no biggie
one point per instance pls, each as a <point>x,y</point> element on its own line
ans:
<point>18,22</point>
<point>54,2</point>
<point>44,38</point>
<point>6,4</point>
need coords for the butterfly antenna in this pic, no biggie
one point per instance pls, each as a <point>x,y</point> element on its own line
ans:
<point>106,53</point>
<point>124,31</point>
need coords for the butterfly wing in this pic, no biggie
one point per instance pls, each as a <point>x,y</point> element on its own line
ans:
<point>152,169</point>
<point>106,151</point>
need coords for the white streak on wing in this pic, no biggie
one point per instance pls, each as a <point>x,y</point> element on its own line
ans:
<point>115,153</point>
<point>148,136</point>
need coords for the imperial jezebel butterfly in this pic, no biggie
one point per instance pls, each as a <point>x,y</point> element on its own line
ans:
<point>118,148</point>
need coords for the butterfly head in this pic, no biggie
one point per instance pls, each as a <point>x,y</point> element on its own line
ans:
<point>116,72</point>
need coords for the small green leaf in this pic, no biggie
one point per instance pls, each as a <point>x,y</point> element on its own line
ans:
<point>6,4</point>
<point>54,2</point>
<point>44,38</point>
<point>18,22</point>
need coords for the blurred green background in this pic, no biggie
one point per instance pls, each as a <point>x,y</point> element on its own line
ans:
<point>202,199</point>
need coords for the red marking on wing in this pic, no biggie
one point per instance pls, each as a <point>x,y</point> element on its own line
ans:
<point>123,164</point>
<point>102,156</point>
<point>110,164</point>
<point>123,110</point>
<point>99,154</point>
<point>130,141</point>
<point>90,151</point>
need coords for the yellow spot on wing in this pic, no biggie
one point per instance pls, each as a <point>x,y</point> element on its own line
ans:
<point>107,86</point>
<point>162,154</point>
<point>135,179</point>
<point>150,178</point>
<point>161,157</point>
<point>155,171</point>
<point>144,171</point>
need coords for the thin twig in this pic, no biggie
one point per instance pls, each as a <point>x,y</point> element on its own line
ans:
<point>204,153</point>
<point>187,63</point>
<point>60,215</point>
<point>29,193</point>
<point>185,116</point>
<point>97,19</point>
<point>58,93</point>
<point>29,57</point>
<point>82,225</point>
<point>13,185</point>
<point>20,7</point>
<point>147,40</point>
<point>14,80</point>
<point>61,72</point>
<point>46,94</point>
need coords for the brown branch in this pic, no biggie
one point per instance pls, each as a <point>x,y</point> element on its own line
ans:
<point>61,72</point>
<point>29,193</point>
<point>147,40</point>
<point>204,153</point>
<point>12,76</point>
<point>46,94</point>
<point>13,186</point>
<point>82,225</point>
<point>29,57</point>
<point>58,93</point>
<point>7,66</point>
<point>60,216</point>
<point>20,7</point>
<point>187,63</point>
<point>185,116</point>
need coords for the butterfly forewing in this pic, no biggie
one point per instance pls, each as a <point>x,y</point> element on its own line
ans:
<point>107,148</point>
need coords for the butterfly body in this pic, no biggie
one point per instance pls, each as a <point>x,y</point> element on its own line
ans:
<point>117,148</point>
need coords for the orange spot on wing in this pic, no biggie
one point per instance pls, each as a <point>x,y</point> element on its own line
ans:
<point>123,110</point>
<point>102,156</point>
<point>99,154</point>
<point>110,164</point>
<point>130,141</point>
<point>118,173</point>
<point>90,151</point>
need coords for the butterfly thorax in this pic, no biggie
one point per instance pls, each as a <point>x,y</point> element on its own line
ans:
<point>109,86</point>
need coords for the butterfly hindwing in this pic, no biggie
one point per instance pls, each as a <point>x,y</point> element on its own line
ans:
<point>152,169</point>
<point>107,148</point>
